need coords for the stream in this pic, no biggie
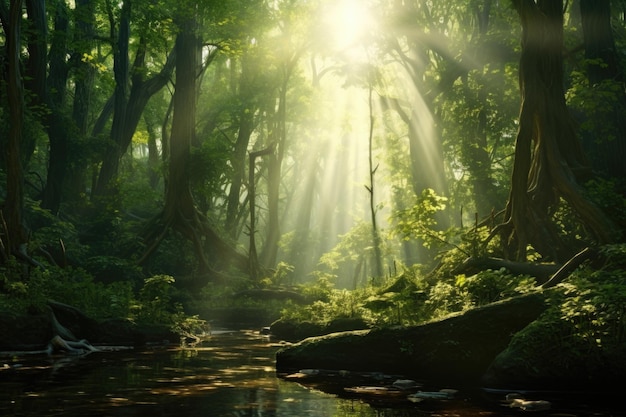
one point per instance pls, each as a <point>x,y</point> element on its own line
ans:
<point>231,374</point>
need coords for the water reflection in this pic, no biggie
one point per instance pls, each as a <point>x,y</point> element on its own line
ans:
<point>232,374</point>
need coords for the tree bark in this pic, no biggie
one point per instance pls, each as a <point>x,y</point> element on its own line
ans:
<point>549,161</point>
<point>180,212</point>
<point>376,240</point>
<point>84,76</point>
<point>121,37</point>
<point>15,236</point>
<point>275,160</point>
<point>35,65</point>
<point>238,159</point>
<point>57,122</point>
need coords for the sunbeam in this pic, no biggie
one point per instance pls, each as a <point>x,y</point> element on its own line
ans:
<point>348,24</point>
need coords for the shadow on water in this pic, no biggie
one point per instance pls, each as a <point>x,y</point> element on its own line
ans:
<point>232,374</point>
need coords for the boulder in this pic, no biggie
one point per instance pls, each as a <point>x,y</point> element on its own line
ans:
<point>455,349</point>
<point>546,356</point>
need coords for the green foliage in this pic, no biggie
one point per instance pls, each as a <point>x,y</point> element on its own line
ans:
<point>610,197</point>
<point>354,247</point>
<point>594,301</point>
<point>462,292</point>
<point>597,102</point>
<point>175,256</point>
<point>53,238</point>
<point>155,301</point>
<point>112,268</point>
<point>70,286</point>
<point>337,304</point>
<point>281,275</point>
<point>585,324</point>
<point>419,220</point>
<point>489,286</point>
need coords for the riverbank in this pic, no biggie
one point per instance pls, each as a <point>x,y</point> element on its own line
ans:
<point>505,344</point>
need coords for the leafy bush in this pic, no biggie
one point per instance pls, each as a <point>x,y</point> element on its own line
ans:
<point>594,301</point>
<point>489,286</point>
<point>71,286</point>
<point>155,302</point>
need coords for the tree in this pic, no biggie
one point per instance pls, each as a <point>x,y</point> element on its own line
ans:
<point>549,163</point>
<point>14,235</point>
<point>180,212</point>
<point>58,124</point>
<point>133,89</point>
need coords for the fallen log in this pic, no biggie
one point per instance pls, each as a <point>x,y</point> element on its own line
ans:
<point>540,271</point>
<point>456,349</point>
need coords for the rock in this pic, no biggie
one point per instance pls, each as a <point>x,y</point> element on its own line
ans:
<point>431,395</point>
<point>405,384</point>
<point>545,356</point>
<point>527,405</point>
<point>375,391</point>
<point>456,349</point>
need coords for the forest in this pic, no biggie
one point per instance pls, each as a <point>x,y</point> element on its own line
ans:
<point>391,161</point>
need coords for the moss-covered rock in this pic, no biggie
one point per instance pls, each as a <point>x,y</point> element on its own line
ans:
<point>458,348</point>
<point>549,355</point>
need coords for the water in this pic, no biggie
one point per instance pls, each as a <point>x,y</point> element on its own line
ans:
<point>232,374</point>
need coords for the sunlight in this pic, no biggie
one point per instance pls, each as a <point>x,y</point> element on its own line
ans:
<point>349,22</point>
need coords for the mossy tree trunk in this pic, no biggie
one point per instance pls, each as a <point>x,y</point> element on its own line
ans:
<point>549,161</point>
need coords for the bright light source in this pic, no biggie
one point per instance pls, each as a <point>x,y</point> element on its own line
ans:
<point>349,22</point>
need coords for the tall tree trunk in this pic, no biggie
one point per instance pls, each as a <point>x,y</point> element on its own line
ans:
<point>15,236</point>
<point>238,163</point>
<point>376,241</point>
<point>57,122</point>
<point>180,212</point>
<point>154,172</point>
<point>35,67</point>
<point>549,160</point>
<point>270,248</point>
<point>110,163</point>
<point>84,75</point>
<point>140,93</point>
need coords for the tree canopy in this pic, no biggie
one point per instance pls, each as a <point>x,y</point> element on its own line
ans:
<point>328,139</point>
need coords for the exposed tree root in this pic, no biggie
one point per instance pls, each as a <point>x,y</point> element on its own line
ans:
<point>195,228</point>
<point>549,162</point>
